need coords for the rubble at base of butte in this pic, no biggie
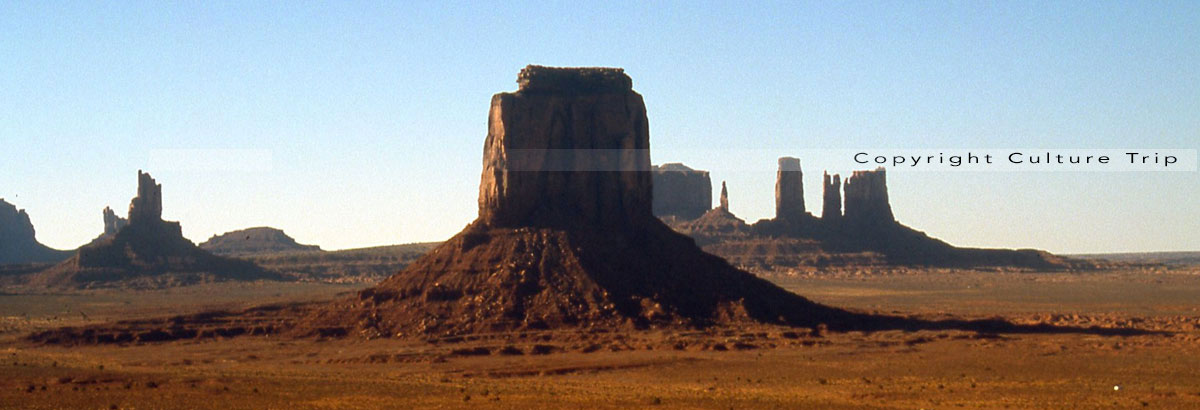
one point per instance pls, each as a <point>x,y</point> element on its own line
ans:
<point>145,251</point>
<point>566,247</point>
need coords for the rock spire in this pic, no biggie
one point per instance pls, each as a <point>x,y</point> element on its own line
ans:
<point>832,193</point>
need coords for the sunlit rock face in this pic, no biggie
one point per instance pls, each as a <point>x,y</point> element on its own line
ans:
<point>569,148</point>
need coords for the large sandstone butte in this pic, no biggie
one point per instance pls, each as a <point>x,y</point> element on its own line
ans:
<point>565,235</point>
<point>18,242</point>
<point>146,252</point>
<point>254,241</point>
<point>680,192</point>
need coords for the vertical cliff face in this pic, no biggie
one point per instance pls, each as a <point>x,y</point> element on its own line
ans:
<point>832,205</point>
<point>15,225</point>
<point>145,223</point>
<point>681,192</point>
<point>789,190</point>
<point>18,241</point>
<point>867,198</point>
<point>147,205</point>
<point>570,147</point>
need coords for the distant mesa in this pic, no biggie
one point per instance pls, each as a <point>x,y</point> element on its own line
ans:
<point>362,265</point>
<point>566,247</point>
<point>680,192</point>
<point>252,241</point>
<point>145,252</point>
<point>18,244</point>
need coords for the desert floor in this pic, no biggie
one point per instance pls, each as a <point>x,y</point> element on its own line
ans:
<point>757,367</point>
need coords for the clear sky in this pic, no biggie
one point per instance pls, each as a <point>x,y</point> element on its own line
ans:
<point>365,122</point>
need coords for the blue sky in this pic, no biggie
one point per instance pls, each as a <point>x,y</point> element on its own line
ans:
<point>374,114</point>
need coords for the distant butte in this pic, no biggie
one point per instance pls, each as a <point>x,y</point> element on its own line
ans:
<point>680,192</point>
<point>145,252</point>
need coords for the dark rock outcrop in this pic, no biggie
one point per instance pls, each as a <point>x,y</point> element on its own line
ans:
<point>18,241</point>
<point>147,252</point>
<point>680,192</point>
<point>866,200</point>
<point>536,79</point>
<point>832,205</point>
<point>252,241</point>
<point>562,248</point>
<point>147,204</point>
<point>789,190</point>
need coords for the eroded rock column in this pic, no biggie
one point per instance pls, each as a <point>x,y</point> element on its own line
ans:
<point>789,190</point>
<point>867,197</point>
<point>831,208</point>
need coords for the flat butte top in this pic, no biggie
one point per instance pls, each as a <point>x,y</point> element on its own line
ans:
<point>573,80</point>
